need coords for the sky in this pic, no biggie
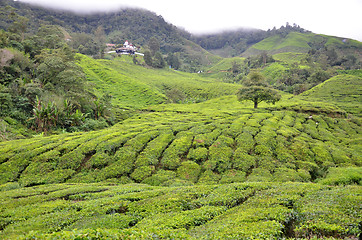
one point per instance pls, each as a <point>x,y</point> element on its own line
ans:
<point>342,18</point>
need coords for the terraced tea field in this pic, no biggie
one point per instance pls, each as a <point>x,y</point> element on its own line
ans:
<point>138,211</point>
<point>134,86</point>
<point>163,148</point>
<point>217,169</point>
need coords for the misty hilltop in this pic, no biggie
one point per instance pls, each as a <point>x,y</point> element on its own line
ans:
<point>140,25</point>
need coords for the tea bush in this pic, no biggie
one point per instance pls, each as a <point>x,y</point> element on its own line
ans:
<point>139,211</point>
<point>343,176</point>
<point>189,171</point>
<point>265,145</point>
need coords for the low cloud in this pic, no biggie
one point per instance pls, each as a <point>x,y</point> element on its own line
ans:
<point>81,6</point>
<point>323,16</point>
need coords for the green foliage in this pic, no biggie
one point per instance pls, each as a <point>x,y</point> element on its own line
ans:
<point>343,176</point>
<point>158,62</point>
<point>256,146</point>
<point>344,90</point>
<point>232,176</point>
<point>257,91</point>
<point>178,86</point>
<point>189,171</point>
<point>173,155</point>
<point>258,94</point>
<point>138,211</point>
<point>337,218</point>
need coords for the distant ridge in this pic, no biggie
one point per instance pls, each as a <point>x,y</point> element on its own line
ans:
<point>140,25</point>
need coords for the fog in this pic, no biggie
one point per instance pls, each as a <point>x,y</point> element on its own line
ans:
<point>331,17</point>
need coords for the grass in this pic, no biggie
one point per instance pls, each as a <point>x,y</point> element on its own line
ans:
<point>218,70</point>
<point>126,91</point>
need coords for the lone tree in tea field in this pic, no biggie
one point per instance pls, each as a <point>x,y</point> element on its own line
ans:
<point>257,90</point>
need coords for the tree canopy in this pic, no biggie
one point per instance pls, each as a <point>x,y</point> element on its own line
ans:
<point>257,90</point>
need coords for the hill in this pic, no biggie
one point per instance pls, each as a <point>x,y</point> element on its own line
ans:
<point>115,148</point>
<point>90,32</point>
<point>293,42</point>
<point>229,43</point>
<point>206,165</point>
<point>344,90</point>
<point>301,43</point>
<point>134,86</point>
<point>215,138</point>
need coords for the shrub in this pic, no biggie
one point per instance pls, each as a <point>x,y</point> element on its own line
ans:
<point>177,183</point>
<point>219,159</point>
<point>243,161</point>
<point>266,162</point>
<point>189,171</point>
<point>286,175</point>
<point>321,153</point>
<point>209,177</point>
<point>245,142</point>
<point>232,176</point>
<point>151,154</point>
<point>260,175</point>
<point>198,155</point>
<point>160,178</point>
<point>91,124</point>
<point>142,172</point>
<point>339,154</point>
<point>343,176</point>
<point>9,186</point>
<point>98,160</point>
<point>172,156</point>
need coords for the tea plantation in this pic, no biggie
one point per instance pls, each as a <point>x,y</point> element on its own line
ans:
<point>133,86</point>
<point>139,211</point>
<point>216,169</point>
<point>202,174</point>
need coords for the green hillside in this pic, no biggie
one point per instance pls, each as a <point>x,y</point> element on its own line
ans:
<point>215,169</point>
<point>122,147</point>
<point>219,69</point>
<point>214,138</point>
<point>298,43</point>
<point>343,90</point>
<point>292,42</point>
<point>127,92</point>
<point>134,86</point>
<point>89,33</point>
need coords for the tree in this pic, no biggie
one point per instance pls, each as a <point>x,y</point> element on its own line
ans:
<point>158,61</point>
<point>257,90</point>
<point>173,61</point>
<point>154,45</point>
<point>235,68</point>
<point>148,58</point>
<point>258,94</point>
